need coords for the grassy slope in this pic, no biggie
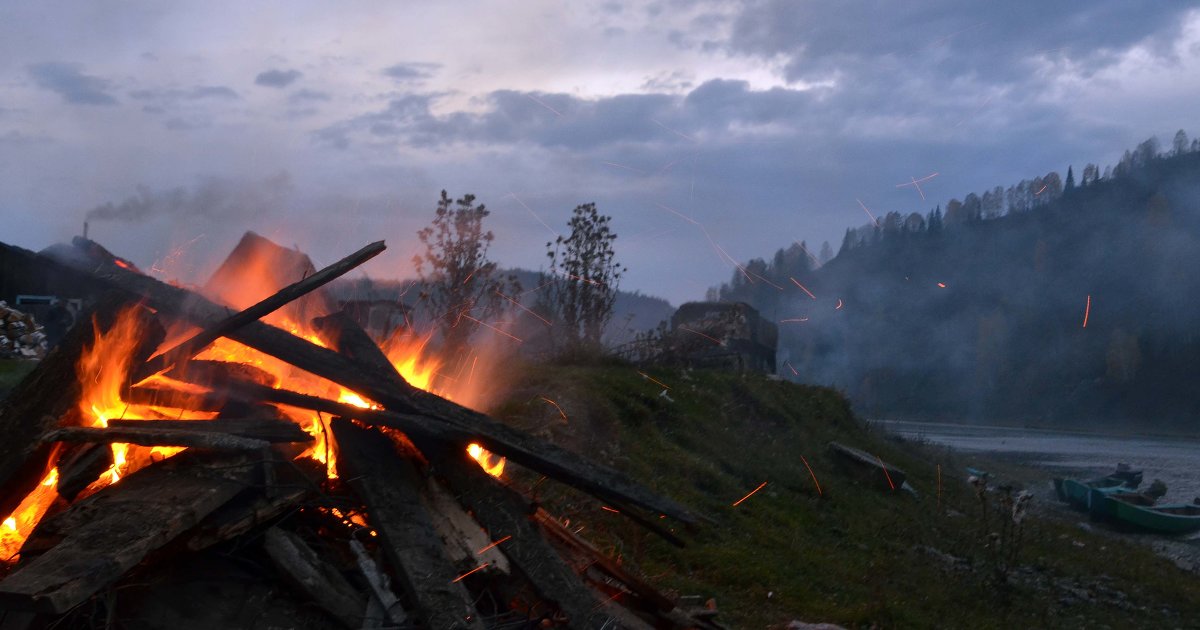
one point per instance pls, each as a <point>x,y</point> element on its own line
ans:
<point>851,556</point>
<point>11,373</point>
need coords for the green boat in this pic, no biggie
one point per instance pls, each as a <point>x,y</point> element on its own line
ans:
<point>1079,493</point>
<point>1174,518</point>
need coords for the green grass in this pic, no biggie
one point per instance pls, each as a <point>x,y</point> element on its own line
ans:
<point>11,373</point>
<point>852,555</point>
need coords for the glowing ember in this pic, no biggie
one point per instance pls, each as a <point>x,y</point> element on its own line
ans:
<point>1087,309</point>
<point>814,476</point>
<point>760,487</point>
<point>942,285</point>
<point>478,568</point>
<point>802,288</point>
<point>505,539</point>
<point>485,459</point>
<point>886,473</point>
<point>17,527</point>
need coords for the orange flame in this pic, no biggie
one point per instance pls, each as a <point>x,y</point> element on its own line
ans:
<point>17,527</point>
<point>491,464</point>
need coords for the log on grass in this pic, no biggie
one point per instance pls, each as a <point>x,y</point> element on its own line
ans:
<point>315,578</point>
<point>188,348</point>
<point>156,437</point>
<point>389,483</point>
<point>505,513</point>
<point>48,394</point>
<point>444,417</point>
<point>265,429</point>
<point>110,532</point>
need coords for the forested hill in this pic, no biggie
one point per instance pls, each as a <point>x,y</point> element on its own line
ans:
<point>980,314</point>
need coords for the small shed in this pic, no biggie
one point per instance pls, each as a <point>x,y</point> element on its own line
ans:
<point>729,335</point>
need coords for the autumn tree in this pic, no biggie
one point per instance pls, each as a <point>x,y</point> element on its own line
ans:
<point>585,274</point>
<point>458,277</point>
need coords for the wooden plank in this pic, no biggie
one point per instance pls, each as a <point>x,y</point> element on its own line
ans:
<point>79,466</point>
<point>450,420</point>
<point>188,348</point>
<point>315,578</point>
<point>238,517</point>
<point>389,484</point>
<point>110,532</point>
<point>505,513</point>
<point>156,437</point>
<point>635,584</point>
<point>47,395</point>
<point>266,429</point>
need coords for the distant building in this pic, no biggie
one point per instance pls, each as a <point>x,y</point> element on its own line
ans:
<point>724,335</point>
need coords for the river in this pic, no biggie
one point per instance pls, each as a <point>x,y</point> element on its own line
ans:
<point>1176,461</point>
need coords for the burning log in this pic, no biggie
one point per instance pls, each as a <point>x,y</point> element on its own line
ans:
<point>314,577</point>
<point>79,466</point>
<point>187,349</point>
<point>110,532</point>
<point>47,394</point>
<point>442,416</point>
<point>389,486</point>
<point>216,374</point>
<point>157,437</point>
<point>293,482</point>
<point>262,429</point>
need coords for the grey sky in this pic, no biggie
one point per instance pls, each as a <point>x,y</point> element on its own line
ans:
<point>698,125</point>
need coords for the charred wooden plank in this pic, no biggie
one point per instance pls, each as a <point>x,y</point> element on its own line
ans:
<point>265,429</point>
<point>389,484</point>
<point>188,348</point>
<point>304,569</point>
<point>607,565</point>
<point>216,374</point>
<point>383,603</point>
<point>156,437</point>
<point>154,395</point>
<point>236,518</point>
<point>110,532</point>
<point>45,396</point>
<point>446,418</point>
<point>505,513</point>
<point>80,465</point>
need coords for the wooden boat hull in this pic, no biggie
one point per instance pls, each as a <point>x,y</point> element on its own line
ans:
<point>868,467</point>
<point>1078,493</point>
<point>1176,518</point>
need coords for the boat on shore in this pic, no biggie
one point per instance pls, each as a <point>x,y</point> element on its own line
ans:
<point>1079,493</point>
<point>1132,510</point>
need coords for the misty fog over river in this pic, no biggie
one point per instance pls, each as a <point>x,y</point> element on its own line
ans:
<point>1071,454</point>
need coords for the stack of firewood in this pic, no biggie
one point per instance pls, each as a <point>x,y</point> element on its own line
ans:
<point>20,335</point>
<point>236,531</point>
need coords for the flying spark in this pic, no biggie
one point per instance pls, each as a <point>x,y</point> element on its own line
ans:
<point>560,411</point>
<point>793,319</point>
<point>696,332</point>
<point>539,219</point>
<point>794,372</point>
<point>522,307</point>
<point>814,476</point>
<point>760,486</point>
<point>839,305</point>
<point>916,183</point>
<point>608,509</point>
<point>1087,309</point>
<point>886,473</point>
<point>797,283</point>
<point>478,568</point>
<point>518,339</point>
<point>505,539</point>
<point>677,213</point>
<point>864,207</point>
<point>653,380</point>
<point>539,102</point>
<point>1040,190</point>
<point>942,285</point>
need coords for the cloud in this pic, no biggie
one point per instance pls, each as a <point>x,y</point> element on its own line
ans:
<point>944,37</point>
<point>411,71</point>
<point>306,95</point>
<point>211,198</point>
<point>200,92</point>
<point>277,78</point>
<point>68,81</point>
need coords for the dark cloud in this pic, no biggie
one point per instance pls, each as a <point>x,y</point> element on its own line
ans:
<point>199,92</point>
<point>277,78</point>
<point>308,96</point>
<point>416,71</point>
<point>211,198</point>
<point>943,36</point>
<point>69,82</point>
